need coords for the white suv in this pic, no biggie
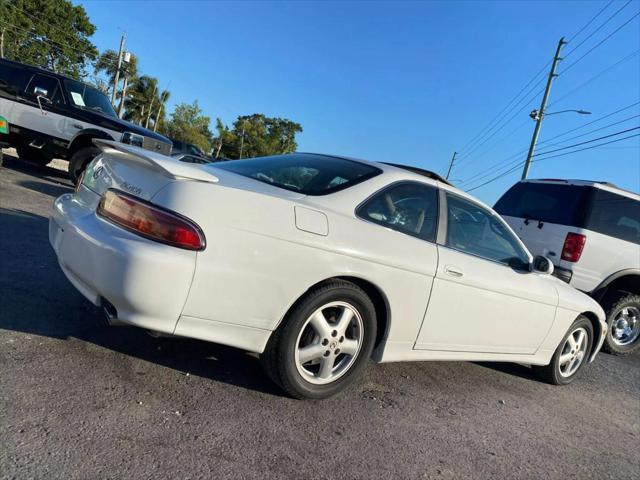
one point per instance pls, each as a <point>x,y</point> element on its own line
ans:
<point>591,232</point>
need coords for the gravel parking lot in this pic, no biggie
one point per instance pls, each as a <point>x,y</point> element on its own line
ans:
<point>79,399</point>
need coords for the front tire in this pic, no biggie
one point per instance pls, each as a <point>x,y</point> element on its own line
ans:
<point>79,161</point>
<point>570,356</point>
<point>623,325</point>
<point>324,342</point>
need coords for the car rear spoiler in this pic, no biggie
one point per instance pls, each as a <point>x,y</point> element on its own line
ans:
<point>154,161</point>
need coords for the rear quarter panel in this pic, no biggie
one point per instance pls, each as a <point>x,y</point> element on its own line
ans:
<point>257,263</point>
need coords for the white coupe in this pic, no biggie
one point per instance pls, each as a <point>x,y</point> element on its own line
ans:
<point>317,263</point>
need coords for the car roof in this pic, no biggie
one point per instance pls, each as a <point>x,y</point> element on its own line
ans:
<point>407,172</point>
<point>608,186</point>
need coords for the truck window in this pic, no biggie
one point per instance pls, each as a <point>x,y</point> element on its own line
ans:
<point>48,86</point>
<point>12,78</point>
<point>615,215</point>
<point>553,203</point>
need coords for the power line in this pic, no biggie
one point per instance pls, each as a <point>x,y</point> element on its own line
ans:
<point>516,167</point>
<point>573,37</point>
<point>593,131</point>
<point>504,124</point>
<point>589,148</point>
<point>597,29</point>
<point>588,141</point>
<point>590,123</point>
<point>596,76</point>
<point>509,160</point>
<point>571,65</point>
<point>40,19</point>
<point>489,126</point>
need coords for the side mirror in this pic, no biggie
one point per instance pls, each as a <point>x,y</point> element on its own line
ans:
<point>40,92</point>
<point>542,264</point>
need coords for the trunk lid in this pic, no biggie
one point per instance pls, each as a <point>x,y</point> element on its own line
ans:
<point>137,171</point>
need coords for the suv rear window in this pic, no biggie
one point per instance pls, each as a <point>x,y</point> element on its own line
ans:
<point>303,173</point>
<point>553,203</point>
<point>614,215</point>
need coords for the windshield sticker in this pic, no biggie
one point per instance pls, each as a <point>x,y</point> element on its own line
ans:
<point>77,99</point>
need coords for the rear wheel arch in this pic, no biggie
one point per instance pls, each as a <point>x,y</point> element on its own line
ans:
<point>375,294</point>
<point>85,138</point>
<point>627,280</point>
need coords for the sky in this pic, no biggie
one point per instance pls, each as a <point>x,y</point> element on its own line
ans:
<point>404,82</point>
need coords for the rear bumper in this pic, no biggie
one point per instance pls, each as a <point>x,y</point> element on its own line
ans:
<point>146,282</point>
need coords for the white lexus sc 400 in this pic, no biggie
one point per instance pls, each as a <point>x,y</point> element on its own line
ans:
<point>317,263</point>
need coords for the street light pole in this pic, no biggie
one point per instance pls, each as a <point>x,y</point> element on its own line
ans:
<point>543,105</point>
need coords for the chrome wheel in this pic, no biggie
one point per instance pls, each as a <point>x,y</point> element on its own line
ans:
<point>625,328</point>
<point>329,342</point>
<point>573,353</point>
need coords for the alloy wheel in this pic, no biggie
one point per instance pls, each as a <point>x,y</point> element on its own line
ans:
<point>573,353</point>
<point>625,327</point>
<point>329,342</point>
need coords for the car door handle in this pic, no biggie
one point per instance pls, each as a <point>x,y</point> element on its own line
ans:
<point>453,271</point>
<point>76,125</point>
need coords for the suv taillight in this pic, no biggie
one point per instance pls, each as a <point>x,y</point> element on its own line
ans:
<point>150,221</point>
<point>573,246</point>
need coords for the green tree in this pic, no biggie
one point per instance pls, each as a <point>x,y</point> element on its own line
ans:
<point>141,95</point>
<point>107,64</point>
<point>52,34</point>
<point>255,136</point>
<point>190,125</point>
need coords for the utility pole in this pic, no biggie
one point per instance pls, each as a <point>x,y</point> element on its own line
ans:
<point>242,139</point>
<point>543,106</point>
<point>124,94</point>
<point>117,77</point>
<point>453,159</point>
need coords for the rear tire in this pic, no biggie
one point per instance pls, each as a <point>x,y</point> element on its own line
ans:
<point>33,155</point>
<point>570,356</point>
<point>324,342</point>
<point>79,161</point>
<point>623,325</point>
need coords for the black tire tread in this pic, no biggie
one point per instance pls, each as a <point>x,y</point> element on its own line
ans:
<point>548,372</point>
<point>273,356</point>
<point>613,305</point>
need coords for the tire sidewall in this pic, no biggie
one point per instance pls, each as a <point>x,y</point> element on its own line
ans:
<point>298,318</point>
<point>612,313</point>
<point>79,161</point>
<point>580,322</point>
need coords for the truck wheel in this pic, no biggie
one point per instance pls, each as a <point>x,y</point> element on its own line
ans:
<point>623,325</point>
<point>79,161</point>
<point>33,155</point>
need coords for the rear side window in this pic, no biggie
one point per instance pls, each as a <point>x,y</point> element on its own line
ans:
<point>615,215</point>
<point>12,78</point>
<point>410,208</point>
<point>306,174</point>
<point>553,203</point>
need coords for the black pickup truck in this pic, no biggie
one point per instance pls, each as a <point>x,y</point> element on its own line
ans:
<point>53,116</point>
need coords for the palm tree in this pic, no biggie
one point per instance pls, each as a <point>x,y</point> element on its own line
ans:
<point>140,100</point>
<point>162,101</point>
<point>107,63</point>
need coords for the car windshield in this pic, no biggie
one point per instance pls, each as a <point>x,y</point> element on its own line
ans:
<point>304,173</point>
<point>88,98</point>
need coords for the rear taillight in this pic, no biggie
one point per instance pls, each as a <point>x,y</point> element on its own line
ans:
<point>150,221</point>
<point>573,246</point>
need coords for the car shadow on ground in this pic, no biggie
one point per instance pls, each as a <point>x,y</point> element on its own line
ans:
<point>36,298</point>
<point>50,173</point>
